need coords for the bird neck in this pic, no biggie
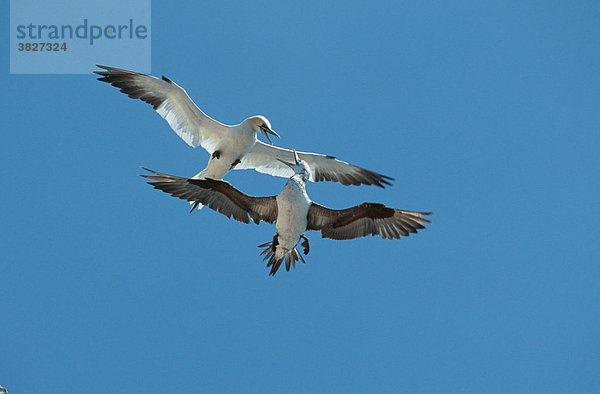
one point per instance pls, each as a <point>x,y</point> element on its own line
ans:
<point>299,180</point>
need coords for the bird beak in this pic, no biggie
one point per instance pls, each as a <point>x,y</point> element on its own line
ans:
<point>266,131</point>
<point>287,164</point>
<point>291,165</point>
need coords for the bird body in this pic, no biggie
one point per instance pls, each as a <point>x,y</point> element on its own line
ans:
<point>230,147</point>
<point>293,204</point>
<point>293,212</point>
<point>236,142</point>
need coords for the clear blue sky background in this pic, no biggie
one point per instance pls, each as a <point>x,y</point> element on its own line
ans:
<point>487,115</point>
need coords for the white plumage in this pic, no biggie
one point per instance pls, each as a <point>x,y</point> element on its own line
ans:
<point>230,147</point>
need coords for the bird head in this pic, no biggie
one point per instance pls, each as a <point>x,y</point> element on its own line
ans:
<point>299,166</point>
<point>261,124</point>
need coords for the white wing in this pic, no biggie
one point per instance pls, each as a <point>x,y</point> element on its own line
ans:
<point>171,102</point>
<point>263,158</point>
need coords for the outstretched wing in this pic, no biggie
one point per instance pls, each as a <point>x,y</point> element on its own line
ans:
<point>365,219</point>
<point>171,102</point>
<point>219,196</point>
<point>263,158</point>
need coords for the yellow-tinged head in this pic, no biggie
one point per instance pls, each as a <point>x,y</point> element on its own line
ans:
<point>261,124</point>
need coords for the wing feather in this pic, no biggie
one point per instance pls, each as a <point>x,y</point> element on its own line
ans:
<point>263,158</point>
<point>219,196</point>
<point>172,103</point>
<point>363,220</point>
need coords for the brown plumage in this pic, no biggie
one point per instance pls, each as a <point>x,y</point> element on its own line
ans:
<point>359,221</point>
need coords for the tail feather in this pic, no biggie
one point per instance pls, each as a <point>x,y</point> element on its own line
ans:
<point>276,255</point>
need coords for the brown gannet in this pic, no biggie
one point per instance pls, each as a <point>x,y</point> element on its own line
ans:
<point>293,212</point>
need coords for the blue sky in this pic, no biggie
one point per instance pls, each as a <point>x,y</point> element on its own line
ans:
<point>486,114</point>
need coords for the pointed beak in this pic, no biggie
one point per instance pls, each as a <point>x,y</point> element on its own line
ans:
<point>287,164</point>
<point>266,131</point>
<point>292,165</point>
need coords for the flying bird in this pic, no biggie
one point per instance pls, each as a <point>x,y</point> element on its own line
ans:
<point>230,147</point>
<point>293,212</point>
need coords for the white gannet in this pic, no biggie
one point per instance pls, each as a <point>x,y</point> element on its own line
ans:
<point>230,147</point>
<point>293,212</point>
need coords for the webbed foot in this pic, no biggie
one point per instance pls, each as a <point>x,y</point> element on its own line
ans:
<point>305,244</point>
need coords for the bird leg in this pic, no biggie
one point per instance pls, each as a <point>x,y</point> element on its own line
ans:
<point>216,154</point>
<point>305,244</point>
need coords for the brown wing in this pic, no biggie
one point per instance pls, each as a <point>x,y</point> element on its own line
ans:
<point>365,219</point>
<point>217,195</point>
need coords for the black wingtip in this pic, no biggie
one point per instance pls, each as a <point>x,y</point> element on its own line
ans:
<point>149,170</point>
<point>105,70</point>
<point>384,181</point>
<point>426,214</point>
